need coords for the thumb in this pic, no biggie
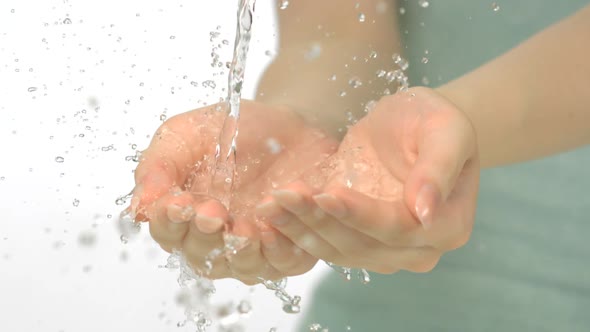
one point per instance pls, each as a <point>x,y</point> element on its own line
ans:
<point>443,153</point>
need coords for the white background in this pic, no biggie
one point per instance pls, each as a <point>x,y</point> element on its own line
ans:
<point>100,86</point>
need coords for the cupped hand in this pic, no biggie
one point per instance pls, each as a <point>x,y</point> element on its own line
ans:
<point>176,191</point>
<point>402,190</point>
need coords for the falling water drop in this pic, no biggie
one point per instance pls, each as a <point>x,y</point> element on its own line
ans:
<point>67,21</point>
<point>424,3</point>
<point>364,276</point>
<point>401,62</point>
<point>59,159</point>
<point>244,307</point>
<point>495,7</point>
<point>362,17</point>
<point>32,89</point>
<point>284,4</point>
<point>355,82</point>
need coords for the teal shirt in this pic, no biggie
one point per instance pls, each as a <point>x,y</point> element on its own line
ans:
<point>527,265</point>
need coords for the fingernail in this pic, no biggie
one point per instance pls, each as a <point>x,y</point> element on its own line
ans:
<point>331,205</point>
<point>269,240</point>
<point>180,214</point>
<point>426,202</point>
<point>208,225</point>
<point>136,199</point>
<point>291,200</point>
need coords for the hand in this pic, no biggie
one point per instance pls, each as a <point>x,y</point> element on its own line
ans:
<point>402,192</point>
<point>174,184</point>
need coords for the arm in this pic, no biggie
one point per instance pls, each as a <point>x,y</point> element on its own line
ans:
<point>534,100</point>
<point>320,40</point>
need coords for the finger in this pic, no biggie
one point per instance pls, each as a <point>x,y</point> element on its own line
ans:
<point>418,260</point>
<point>283,255</point>
<point>198,245</point>
<point>211,217</point>
<point>172,153</point>
<point>356,248</point>
<point>443,152</point>
<point>302,236</point>
<point>172,214</point>
<point>458,213</point>
<point>389,222</point>
<point>247,261</point>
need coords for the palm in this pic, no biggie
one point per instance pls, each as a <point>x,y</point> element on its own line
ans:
<point>379,153</point>
<point>274,147</point>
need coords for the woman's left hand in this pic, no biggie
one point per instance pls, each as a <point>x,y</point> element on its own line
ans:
<point>402,189</point>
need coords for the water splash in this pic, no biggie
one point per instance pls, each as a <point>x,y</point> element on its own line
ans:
<point>346,272</point>
<point>290,303</point>
<point>196,289</point>
<point>225,153</point>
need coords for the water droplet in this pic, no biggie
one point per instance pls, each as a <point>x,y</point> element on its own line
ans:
<point>373,55</point>
<point>58,244</point>
<point>370,106</point>
<point>314,52</point>
<point>273,145</point>
<point>495,7</point>
<point>193,83</point>
<point>401,62</point>
<point>162,117</point>
<point>402,10</point>
<point>424,60</point>
<point>124,239</point>
<point>76,202</point>
<point>59,159</point>
<point>333,77</point>
<point>425,81</point>
<point>244,307</point>
<point>87,239</point>
<point>209,84</point>
<point>32,89</point>
<point>424,3</point>
<point>355,82</point>
<point>315,327</point>
<point>364,276</point>
<point>362,17</point>
<point>67,21</point>
<point>291,308</point>
<point>284,4</point>
<point>12,11</point>
<point>107,148</point>
<point>342,93</point>
<point>172,37</point>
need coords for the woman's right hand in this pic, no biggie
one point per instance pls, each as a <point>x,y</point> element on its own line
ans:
<point>176,193</point>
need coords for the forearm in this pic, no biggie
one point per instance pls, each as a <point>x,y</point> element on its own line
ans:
<point>327,62</point>
<point>534,100</point>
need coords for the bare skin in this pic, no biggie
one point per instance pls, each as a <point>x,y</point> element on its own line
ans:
<point>412,164</point>
<point>173,194</point>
